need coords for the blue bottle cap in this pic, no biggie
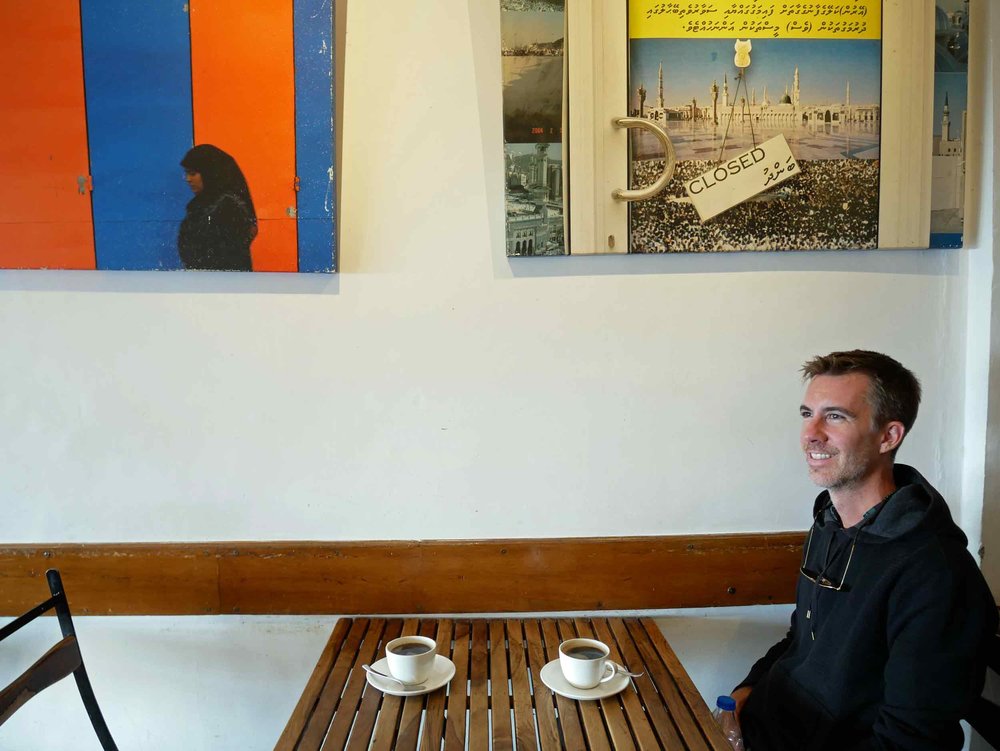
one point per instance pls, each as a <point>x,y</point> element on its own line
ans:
<point>726,703</point>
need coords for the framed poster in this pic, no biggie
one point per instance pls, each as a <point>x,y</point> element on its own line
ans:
<point>724,126</point>
<point>167,135</point>
<point>821,93</point>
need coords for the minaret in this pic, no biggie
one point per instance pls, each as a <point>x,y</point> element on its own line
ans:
<point>764,102</point>
<point>542,164</point>
<point>659,90</point>
<point>725,91</point>
<point>795,88</point>
<point>946,121</point>
<point>753,97</point>
<point>555,182</point>
<point>715,102</point>
<point>847,101</point>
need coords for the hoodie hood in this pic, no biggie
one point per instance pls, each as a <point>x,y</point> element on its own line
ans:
<point>915,509</point>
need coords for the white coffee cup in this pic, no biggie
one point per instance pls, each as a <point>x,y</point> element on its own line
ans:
<point>410,658</point>
<point>585,662</point>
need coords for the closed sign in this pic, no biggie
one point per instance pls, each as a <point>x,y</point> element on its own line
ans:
<point>744,176</point>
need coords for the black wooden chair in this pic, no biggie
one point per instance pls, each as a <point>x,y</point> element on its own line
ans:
<point>64,658</point>
<point>984,715</point>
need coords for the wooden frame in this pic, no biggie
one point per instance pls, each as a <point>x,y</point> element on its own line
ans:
<point>458,576</point>
<point>598,152</point>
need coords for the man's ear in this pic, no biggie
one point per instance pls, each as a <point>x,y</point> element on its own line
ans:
<point>892,436</point>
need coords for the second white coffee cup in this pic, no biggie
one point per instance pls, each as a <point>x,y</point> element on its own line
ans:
<point>411,658</point>
<point>585,663</point>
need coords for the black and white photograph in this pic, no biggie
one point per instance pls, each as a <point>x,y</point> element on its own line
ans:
<point>534,198</point>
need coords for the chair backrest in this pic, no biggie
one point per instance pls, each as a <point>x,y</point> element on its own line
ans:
<point>64,658</point>
<point>984,715</point>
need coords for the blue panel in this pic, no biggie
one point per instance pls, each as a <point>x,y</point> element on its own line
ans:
<point>137,71</point>
<point>314,134</point>
<point>946,240</point>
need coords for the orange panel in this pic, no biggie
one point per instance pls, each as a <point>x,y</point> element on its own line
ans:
<point>243,80</point>
<point>45,221</point>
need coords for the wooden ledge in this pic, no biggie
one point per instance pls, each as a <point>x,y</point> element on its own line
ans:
<point>394,577</point>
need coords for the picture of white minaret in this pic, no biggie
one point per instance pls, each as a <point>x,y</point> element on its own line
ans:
<point>948,175</point>
<point>659,89</point>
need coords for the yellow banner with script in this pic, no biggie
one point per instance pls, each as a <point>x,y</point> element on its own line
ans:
<point>774,19</point>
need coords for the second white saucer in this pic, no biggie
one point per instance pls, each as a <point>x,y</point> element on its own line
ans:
<point>552,676</point>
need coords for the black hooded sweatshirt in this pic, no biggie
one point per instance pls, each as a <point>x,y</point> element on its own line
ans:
<point>891,660</point>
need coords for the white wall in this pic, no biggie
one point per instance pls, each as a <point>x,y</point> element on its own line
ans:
<point>436,389</point>
<point>222,683</point>
<point>982,407</point>
<point>501,397</point>
<point>986,409</point>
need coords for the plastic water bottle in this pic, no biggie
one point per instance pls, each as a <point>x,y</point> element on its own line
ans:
<point>725,715</point>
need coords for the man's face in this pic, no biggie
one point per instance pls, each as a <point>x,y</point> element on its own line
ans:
<point>842,447</point>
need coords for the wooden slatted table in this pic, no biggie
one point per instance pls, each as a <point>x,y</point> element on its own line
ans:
<point>497,699</point>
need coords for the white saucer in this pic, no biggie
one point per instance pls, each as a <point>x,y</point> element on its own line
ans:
<point>552,676</point>
<point>442,671</point>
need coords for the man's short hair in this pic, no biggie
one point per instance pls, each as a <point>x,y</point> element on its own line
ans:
<point>894,393</point>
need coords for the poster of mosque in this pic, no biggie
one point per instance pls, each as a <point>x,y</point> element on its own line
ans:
<point>532,42</point>
<point>951,88</point>
<point>167,136</point>
<point>814,81</point>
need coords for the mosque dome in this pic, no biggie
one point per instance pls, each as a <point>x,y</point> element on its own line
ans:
<point>786,99</point>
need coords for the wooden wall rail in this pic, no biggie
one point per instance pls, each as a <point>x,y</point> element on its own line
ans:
<point>464,576</point>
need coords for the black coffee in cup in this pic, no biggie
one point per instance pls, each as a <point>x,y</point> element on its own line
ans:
<point>409,649</point>
<point>585,653</point>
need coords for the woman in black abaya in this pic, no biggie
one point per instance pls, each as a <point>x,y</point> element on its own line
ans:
<point>220,222</point>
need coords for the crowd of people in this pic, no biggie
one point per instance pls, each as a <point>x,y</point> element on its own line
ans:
<point>831,204</point>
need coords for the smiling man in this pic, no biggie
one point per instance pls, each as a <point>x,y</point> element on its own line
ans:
<point>892,622</point>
